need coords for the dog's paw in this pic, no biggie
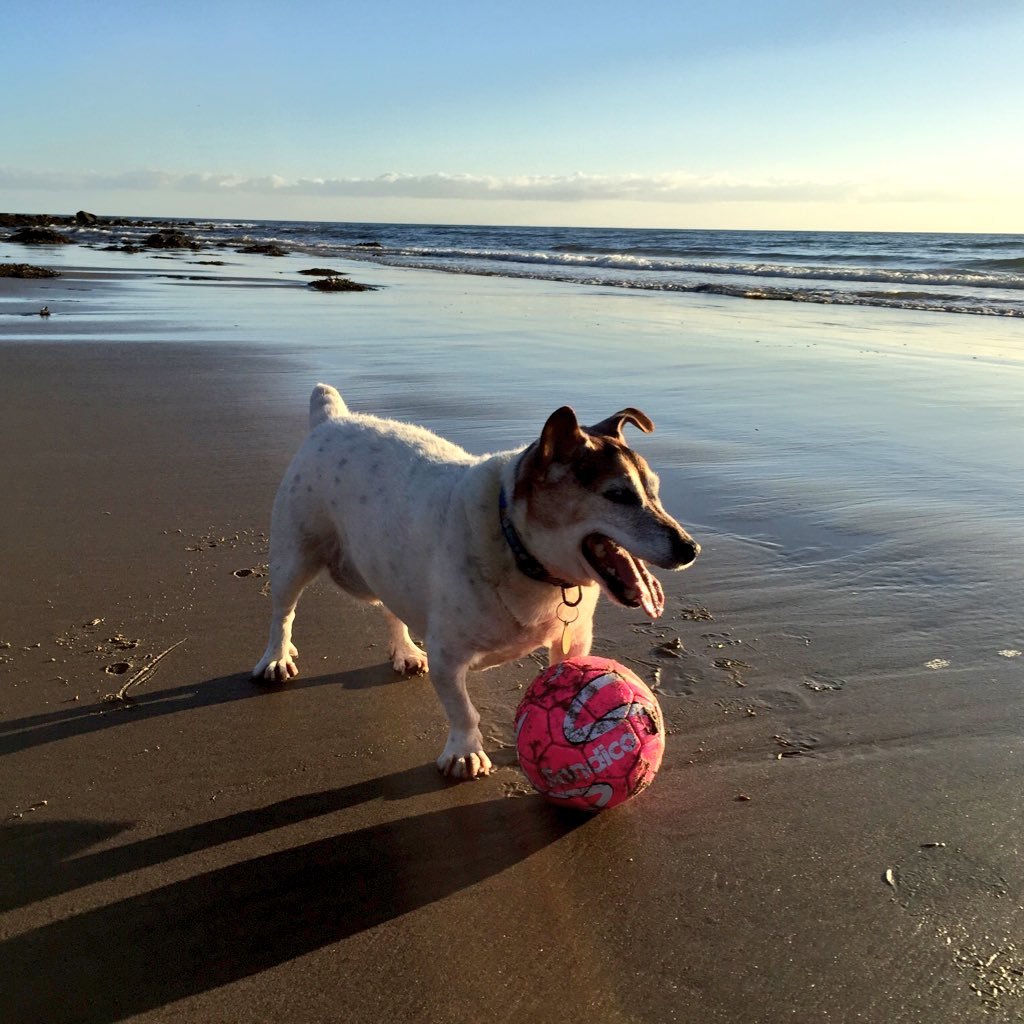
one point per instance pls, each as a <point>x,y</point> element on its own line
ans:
<point>464,759</point>
<point>409,661</point>
<point>274,667</point>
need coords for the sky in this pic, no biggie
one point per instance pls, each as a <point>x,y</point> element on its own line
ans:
<point>877,115</point>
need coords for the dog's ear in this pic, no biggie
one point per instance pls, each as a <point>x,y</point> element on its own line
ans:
<point>561,437</point>
<point>612,427</point>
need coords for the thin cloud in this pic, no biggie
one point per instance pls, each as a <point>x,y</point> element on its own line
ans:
<point>573,188</point>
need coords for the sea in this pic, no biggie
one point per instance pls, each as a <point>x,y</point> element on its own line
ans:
<point>981,274</point>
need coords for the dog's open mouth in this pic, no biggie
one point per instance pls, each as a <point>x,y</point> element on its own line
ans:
<point>628,579</point>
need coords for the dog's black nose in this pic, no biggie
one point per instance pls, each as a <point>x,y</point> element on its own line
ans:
<point>684,550</point>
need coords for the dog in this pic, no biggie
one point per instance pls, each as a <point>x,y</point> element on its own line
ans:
<point>486,557</point>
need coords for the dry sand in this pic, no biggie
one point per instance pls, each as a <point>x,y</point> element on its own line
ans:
<point>209,850</point>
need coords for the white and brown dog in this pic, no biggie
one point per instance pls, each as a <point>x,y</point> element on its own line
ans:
<point>480,555</point>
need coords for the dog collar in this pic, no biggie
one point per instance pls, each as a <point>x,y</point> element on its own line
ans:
<point>525,562</point>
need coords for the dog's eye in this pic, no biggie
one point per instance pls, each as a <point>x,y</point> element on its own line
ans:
<point>623,496</point>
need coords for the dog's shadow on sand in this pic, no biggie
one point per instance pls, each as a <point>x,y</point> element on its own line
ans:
<point>80,719</point>
<point>220,925</point>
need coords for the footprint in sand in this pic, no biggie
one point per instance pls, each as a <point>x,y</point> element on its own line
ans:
<point>818,683</point>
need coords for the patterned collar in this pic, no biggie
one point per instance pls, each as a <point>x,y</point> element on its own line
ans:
<point>527,564</point>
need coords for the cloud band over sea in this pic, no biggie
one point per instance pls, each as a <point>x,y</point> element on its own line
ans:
<point>579,187</point>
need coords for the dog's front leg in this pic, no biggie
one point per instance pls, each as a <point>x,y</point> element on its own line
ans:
<point>463,756</point>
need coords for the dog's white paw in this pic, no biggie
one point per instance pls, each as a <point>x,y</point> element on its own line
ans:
<point>275,667</point>
<point>464,758</point>
<point>409,661</point>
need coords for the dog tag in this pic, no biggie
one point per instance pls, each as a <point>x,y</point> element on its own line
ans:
<point>570,615</point>
<point>566,638</point>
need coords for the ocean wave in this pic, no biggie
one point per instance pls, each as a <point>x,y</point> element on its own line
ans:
<point>678,254</point>
<point>665,251</point>
<point>624,261</point>
<point>1014,263</point>
<point>891,299</point>
<point>987,241</point>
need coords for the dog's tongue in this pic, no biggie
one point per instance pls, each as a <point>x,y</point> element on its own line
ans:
<point>638,585</point>
<point>653,598</point>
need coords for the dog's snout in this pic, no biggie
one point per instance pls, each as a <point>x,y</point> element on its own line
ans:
<point>684,550</point>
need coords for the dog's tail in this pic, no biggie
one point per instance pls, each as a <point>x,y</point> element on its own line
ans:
<point>325,404</point>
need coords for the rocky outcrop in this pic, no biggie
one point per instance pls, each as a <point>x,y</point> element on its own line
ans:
<point>26,220</point>
<point>39,236</point>
<point>25,270</point>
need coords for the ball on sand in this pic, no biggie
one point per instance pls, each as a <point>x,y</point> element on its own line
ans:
<point>589,733</point>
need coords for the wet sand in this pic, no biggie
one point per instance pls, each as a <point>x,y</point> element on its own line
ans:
<point>834,835</point>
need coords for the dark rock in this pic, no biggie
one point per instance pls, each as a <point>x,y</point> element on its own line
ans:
<point>25,270</point>
<point>322,272</point>
<point>264,249</point>
<point>84,219</point>
<point>339,284</point>
<point>170,240</point>
<point>39,236</point>
<point>368,245</point>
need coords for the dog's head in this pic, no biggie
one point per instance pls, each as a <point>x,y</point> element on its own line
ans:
<point>593,512</point>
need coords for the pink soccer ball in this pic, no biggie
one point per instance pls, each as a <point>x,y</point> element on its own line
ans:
<point>589,733</point>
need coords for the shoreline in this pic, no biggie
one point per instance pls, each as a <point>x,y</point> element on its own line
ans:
<point>951,274</point>
<point>219,851</point>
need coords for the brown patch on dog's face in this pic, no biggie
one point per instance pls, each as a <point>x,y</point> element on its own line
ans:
<point>612,469</point>
<point>570,465</point>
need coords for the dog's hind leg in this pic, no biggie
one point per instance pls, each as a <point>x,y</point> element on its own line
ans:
<point>406,657</point>
<point>288,578</point>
